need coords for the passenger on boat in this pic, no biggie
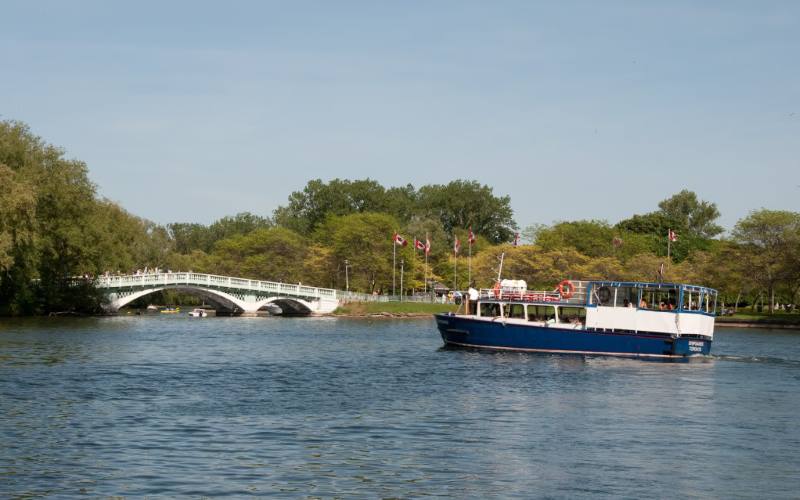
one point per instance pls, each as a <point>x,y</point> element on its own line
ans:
<point>643,304</point>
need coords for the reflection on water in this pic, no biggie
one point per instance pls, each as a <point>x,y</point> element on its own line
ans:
<point>135,406</point>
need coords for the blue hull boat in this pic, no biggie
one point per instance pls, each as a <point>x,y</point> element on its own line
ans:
<point>657,320</point>
<point>474,333</point>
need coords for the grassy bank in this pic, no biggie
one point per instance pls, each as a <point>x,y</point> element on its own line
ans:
<point>392,309</point>
<point>761,319</point>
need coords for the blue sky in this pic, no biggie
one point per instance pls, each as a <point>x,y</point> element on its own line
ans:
<point>189,111</point>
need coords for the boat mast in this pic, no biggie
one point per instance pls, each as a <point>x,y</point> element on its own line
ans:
<point>500,269</point>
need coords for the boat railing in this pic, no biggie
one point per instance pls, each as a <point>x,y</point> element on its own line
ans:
<point>520,295</point>
<point>517,295</point>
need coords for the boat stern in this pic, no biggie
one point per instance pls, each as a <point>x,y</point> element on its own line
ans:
<point>683,346</point>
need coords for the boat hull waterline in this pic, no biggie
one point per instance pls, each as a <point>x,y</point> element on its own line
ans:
<point>499,335</point>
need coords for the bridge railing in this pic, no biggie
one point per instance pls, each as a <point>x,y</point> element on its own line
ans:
<point>212,280</point>
<point>217,281</point>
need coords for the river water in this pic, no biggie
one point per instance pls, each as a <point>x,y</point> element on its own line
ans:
<point>348,408</point>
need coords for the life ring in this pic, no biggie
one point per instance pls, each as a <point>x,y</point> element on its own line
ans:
<point>570,289</point>
<point>497,290</point>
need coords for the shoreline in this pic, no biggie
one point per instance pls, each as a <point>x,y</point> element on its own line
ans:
<point>757,324</point>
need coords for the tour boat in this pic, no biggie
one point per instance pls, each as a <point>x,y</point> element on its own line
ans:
<point>658,320</point>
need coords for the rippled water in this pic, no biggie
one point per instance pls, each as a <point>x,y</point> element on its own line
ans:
<point>322,407</point>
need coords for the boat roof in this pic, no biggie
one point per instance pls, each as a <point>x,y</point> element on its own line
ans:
<point>646,284</point>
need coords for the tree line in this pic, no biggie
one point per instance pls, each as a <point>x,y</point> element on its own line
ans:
<point>54,228</point>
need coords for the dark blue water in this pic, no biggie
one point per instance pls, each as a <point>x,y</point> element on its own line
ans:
<point>307,408</point>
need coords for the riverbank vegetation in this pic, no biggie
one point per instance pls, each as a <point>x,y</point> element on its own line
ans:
<point>393,309</point>
<point>55,229</point>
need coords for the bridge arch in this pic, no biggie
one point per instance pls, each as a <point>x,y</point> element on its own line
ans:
<point>289,306</point>
<point>222,299</point>
<point>234,294</point>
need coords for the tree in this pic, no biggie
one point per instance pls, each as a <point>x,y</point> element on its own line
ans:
<point>365,242</point>
<point>274,254</point>
<point>53,229</point>
<point>17,213</point>
<point>696,215</point>
<point>241,223</point>
<point>771,240</point>
<point>651,233</point>
<point>309,208</point>
<point>461,204</point>
<point>189,237</point>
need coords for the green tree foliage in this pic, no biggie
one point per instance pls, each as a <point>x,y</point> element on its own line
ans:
<point>690,218</point>
<point>274,254</point>
<point>189,237</point>
<point>53,228</point>
<point>461,204</point>
<point>365,241</point>
<point>593,239</point>
<point>239,224</point>
<point>771,239</point>
<point>458,204</point>
<point>309,208</point>
<point>696,215</point>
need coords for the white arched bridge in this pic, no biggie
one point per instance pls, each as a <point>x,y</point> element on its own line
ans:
<point>236,295</point>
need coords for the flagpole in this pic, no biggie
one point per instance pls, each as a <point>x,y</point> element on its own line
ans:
<point>455,270</point>
<point>469,266</point>
<point>669,242</point>
<point>426,263</point>
<point>394,263</point>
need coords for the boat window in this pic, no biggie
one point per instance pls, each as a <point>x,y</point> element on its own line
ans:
<point>694,300</point>
<point>541,313</point>
<point>659,299</point>
<point>571,314</point>
<point>604,296</point>
<point>627,296</point>
<point>490,309</point>
<point>514,311</point>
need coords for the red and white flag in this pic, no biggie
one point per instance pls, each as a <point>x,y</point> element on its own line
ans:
<point>471,237</point>
<point>672,235</point>
<point>427,246</point>
<point>456,246</point>
<point>516,239</point>
<point>418,244</point>
<point>399,240</point>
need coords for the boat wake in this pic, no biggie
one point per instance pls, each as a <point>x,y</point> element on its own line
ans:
<point>772,360</point>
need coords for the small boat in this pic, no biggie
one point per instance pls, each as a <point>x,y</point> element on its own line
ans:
<point>198,313</point>
<point>170,310</point>
<point>659,320</point>
<point>274,309</point>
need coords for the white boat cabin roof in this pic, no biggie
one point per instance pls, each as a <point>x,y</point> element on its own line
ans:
<point>673,297</point>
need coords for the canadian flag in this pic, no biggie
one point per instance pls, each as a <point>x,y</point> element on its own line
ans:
<point>471,237</point>
<point>399,240</point>
<point>427,246</point>
<point>456,246</point>
<point>672,235</point>
<point>419,245</point>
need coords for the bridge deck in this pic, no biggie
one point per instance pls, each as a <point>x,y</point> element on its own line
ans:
<point>211,281</point>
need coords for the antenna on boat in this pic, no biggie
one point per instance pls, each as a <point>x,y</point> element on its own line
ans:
<point>500,269</point>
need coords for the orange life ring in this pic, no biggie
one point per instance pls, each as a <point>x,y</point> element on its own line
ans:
<point>497,289</point>
<point>571,289</point>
